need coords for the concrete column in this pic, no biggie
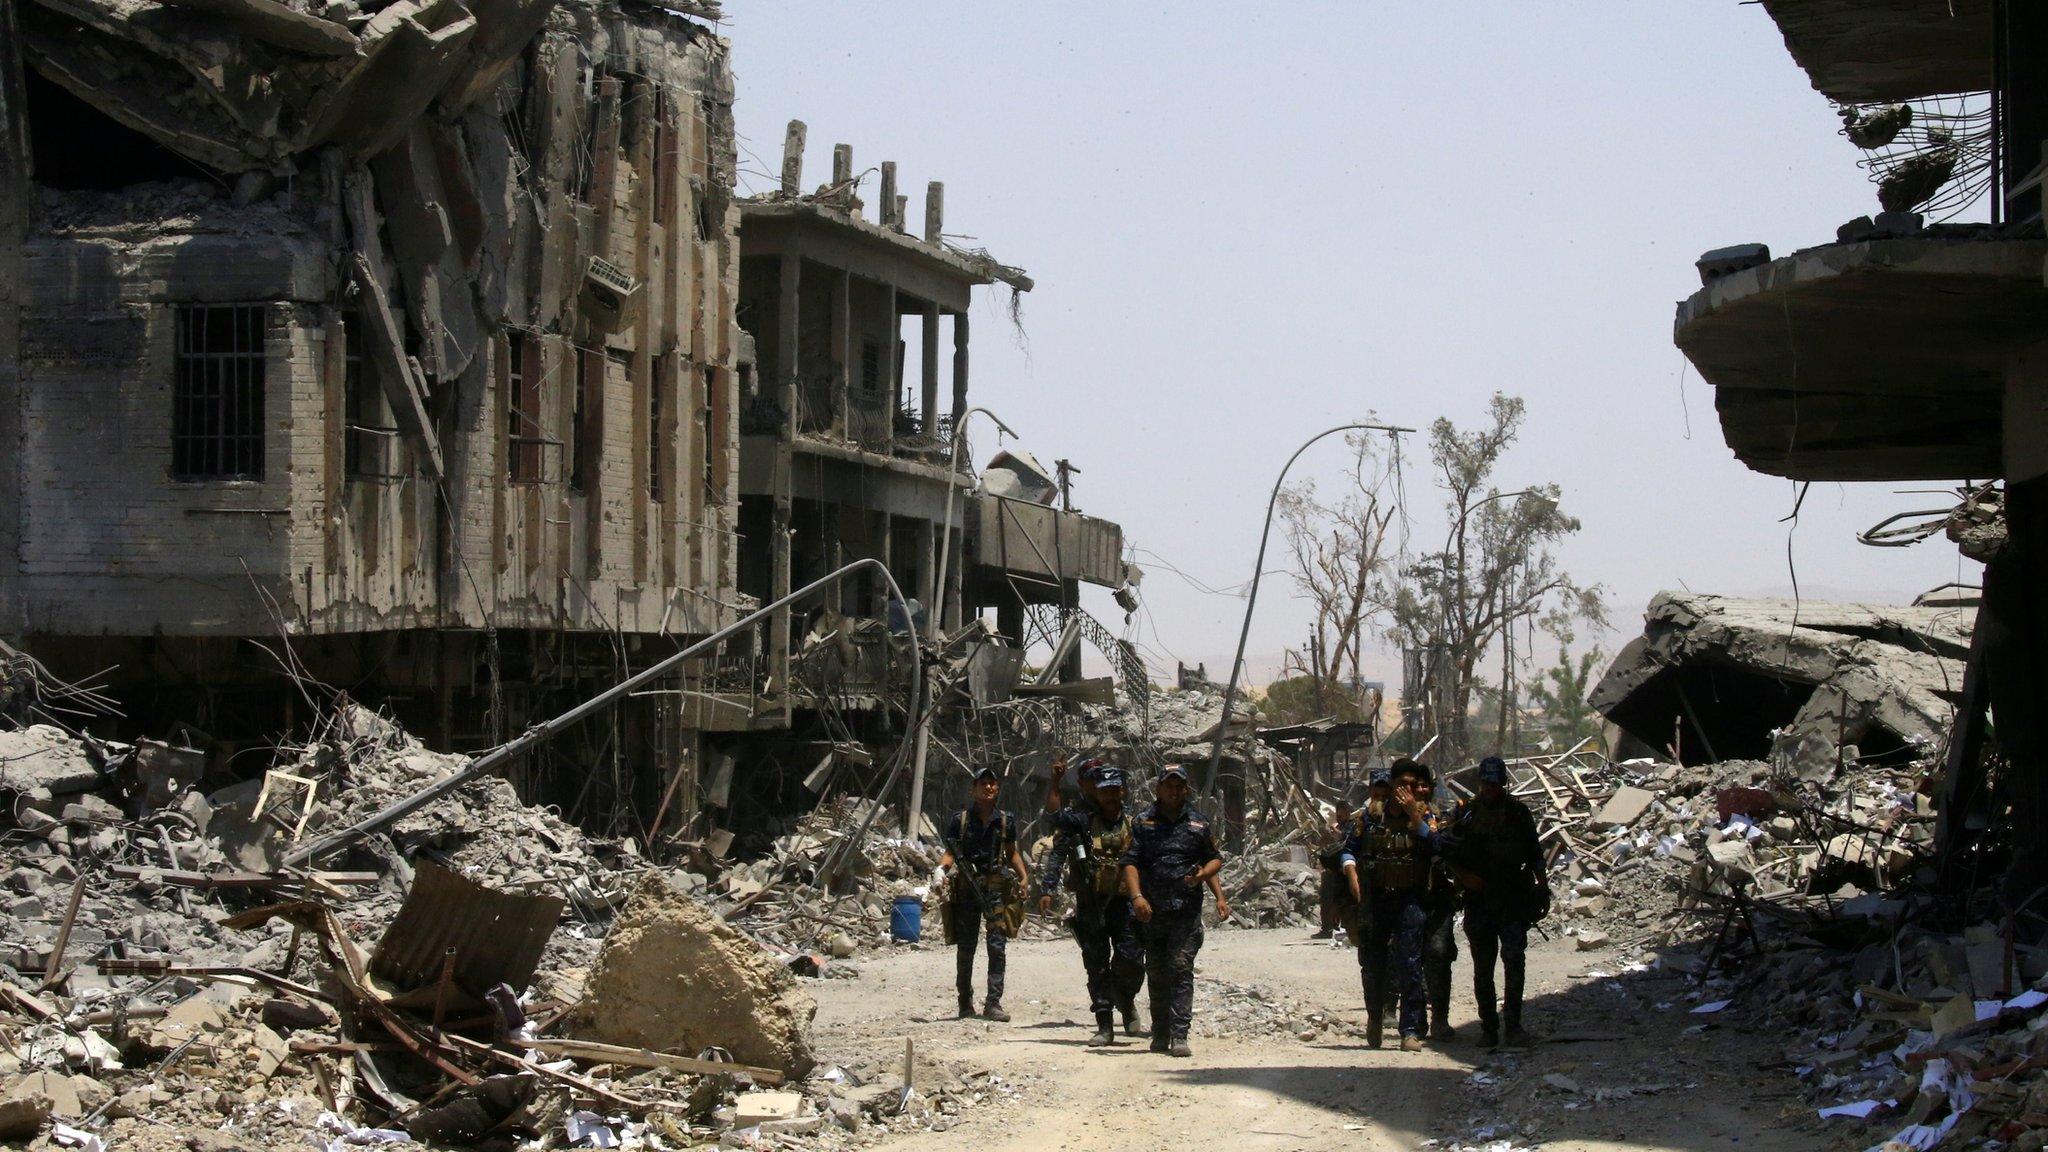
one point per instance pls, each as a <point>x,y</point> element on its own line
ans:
<point>793,159</point>
<point>927,592</point>
<point>954,614</point>
<point>887,196</point>
<point>934,212</point>
<point>786,367</point>
<point>842,163</point>
<point>14,193</point>
<point>929,403</point>
<point>959,369</point>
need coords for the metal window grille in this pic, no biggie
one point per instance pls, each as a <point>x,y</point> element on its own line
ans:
<point>528,444</point>
<point>657,442</point>
<point>217,394</point>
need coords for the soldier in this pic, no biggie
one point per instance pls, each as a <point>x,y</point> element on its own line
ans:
<point>1089,841</point>
<point>1333,894</point>
<point>981,851</point>
<point>1495,847</point>
<point>1172,855</point>
<point>1386,863</point>
<point>1440,902</point>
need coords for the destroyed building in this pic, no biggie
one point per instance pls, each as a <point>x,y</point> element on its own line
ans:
<point>849,446</point>
<point>1911,347</point>
<point>401,342</point>
<point>1716,678</point>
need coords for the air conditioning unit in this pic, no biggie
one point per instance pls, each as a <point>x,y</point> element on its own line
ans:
<point>610,277</point>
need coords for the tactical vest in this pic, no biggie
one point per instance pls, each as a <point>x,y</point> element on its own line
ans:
<point>1106,846</point>
<point>1394,856</point>
<point>1492,830</point>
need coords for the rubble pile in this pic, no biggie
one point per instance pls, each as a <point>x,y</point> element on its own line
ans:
<point>165,978</point>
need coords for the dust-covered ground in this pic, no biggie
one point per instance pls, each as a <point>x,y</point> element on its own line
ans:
<point>1280,1062</point>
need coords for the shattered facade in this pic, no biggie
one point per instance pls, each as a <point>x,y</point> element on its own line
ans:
<point>1915,348</point>
<point>1718,678</point>
<point>406,334</point>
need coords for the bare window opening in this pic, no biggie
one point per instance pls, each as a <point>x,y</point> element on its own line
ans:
<point>707,424</point>
<point>217,395</point>
<point>870,366</point>
<point>525,446</point>
<point>118,155</point>
<point>577,454</point>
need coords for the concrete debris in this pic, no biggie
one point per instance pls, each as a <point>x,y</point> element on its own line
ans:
<point>738,997</point>
<point>1714,678</point>
<point>162,989</point>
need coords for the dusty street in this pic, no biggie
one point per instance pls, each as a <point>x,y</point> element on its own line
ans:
<point>1641,1080</point>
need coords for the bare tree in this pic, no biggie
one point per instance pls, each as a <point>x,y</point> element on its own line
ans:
<point>1496,568</point>
<point>1339,555</point>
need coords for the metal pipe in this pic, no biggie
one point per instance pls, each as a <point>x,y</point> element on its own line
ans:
<point>539,733</point>
<point>934,617</point>
<point>1252,597</point>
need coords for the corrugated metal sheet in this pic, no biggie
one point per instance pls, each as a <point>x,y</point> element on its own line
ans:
<point>1017,536</point>
<point>497,936</point>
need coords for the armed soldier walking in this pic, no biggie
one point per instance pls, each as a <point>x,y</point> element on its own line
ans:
<point>1089,842</point>
<point>1440,908</point>
<point>1171,857</point>
<point>1386,862</point>
<point>986,878</point>
<point>1495,846</point>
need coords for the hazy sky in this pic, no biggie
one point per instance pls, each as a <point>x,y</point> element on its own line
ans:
<point>1248,223</point>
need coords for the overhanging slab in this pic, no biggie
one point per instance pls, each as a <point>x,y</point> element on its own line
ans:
<point>1863,51</point>
<point>1876,360</point>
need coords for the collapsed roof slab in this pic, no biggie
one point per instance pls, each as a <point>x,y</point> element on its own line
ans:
<point>1861,51</point>
<point>1872,360</point>
<point>1728,678</point>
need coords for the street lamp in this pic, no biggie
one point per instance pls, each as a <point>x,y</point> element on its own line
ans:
<point>934,616</point>
<point>1252,597</point>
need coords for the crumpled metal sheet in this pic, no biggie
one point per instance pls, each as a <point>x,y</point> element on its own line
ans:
<point>497,936</point>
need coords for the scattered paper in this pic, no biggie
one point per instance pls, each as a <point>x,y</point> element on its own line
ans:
<point>588,1130</point>
<point>71,1137</point>
<point>1989,1009</point>
<point>1711,1006</point>
<point>1859,1110</point>
<point>2031,998</point>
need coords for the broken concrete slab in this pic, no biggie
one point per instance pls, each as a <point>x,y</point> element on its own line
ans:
<point>43,762</point>
<point>752,1108</point>
<point>674,977</point>
<point>279,24</point>
<point>1717,677</point>
<point>1624,807</point>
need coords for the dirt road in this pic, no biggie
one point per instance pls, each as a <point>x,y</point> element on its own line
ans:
<point>1628,1066</point>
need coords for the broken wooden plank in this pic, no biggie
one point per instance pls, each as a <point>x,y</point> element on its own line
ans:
<point>56,964</point>
<point>646,1058</point>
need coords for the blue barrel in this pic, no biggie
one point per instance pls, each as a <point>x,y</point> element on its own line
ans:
<point>906,920</point>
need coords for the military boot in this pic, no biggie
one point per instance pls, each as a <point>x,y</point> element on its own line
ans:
<point>1180,1048</point>
<point>1134,1025</point>
<point>1105,1030</point>
<point>1375,1027</point>
<point>967,1007</point>
<point>1517,1036</point>
<point>1440,1029</point>
<point>993,1010</point>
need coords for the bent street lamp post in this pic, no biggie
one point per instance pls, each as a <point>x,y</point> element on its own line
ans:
<point>504,753</point>
<point>935,616</point>
<point>1252,597</point>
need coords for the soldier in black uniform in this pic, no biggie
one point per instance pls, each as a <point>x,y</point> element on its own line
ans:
<point>1386,861</point>
<point>1089,841</point>
<point>1172,855</point>
<point>1440,908</point>
<point>981,851</point>
<point>1495,846</point>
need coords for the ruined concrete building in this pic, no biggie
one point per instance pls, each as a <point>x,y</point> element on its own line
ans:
<point>1717,678</point>
<point>407,334</point>
<point>428,347</point>
<point>1914,348</point>
<point>850,441</point>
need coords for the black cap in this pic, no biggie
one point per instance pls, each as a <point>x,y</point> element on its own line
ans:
<point>1406,767</point>
<point>1380,776</point>
<point>986,774</point>
<point>1493,770</point>
<point>1109,776</point>
<point>1173,772</point>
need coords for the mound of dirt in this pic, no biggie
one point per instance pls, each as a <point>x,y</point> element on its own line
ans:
<point>674,977</point>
